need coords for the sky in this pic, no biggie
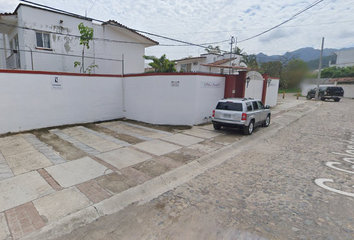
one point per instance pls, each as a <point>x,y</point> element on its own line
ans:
<point>215,21</point>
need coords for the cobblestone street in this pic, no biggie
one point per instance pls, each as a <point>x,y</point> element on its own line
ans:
<point>268,191</point>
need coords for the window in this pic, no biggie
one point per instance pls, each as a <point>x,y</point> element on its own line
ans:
<point>260,105</point>
<point>230,106</point>
<point>249,106</point>
<point>43,40</point>
<point>255,105</point>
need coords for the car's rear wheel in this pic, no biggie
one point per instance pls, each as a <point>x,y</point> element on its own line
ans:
<point>337,99</point>
<point>248,130</point>
<point>267,121</point>
<point>217,126</point>
<point>308,97</point>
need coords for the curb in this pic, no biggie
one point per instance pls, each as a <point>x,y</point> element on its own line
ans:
<point>153,188</point>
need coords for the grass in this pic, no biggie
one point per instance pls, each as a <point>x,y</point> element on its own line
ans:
<point>290,90</point>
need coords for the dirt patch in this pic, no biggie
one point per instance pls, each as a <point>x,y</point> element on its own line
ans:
<point>115,182</point>
<point>151,168</point>
<point>166,128</point>
<point>64,148</point>
<point>185,155</point>
<point>120,136</point>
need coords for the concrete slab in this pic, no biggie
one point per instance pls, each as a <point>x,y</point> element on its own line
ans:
<point>183,139</point>
<point>115,182</point>
<point>21,189</point>
<point>5,171</point>
<point>4,230</point>
<point>43,148</point>
<point>123,157</point>
<point>199,132</point>
<point>206,148</point>
<point>138,132</point>
<point>157,147</point>
<point>105,136</point>
<point>91,140</point>
<point>60,204</point>
<point>80,145</point>
<point>77,171</point>
<point>21,156</point>
<point>146,128</point>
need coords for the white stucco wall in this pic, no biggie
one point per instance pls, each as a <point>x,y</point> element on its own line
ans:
<point>27,101</point>
<point>153,99</point>
<point>49,60</point>
<point>272,93</point>
<point>255,86</point>
<point>348,90</point>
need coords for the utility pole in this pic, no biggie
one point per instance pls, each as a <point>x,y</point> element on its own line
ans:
<point>231,42</point>
<point>319,70</point>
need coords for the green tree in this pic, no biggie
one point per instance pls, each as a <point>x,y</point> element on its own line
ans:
<point>86,35</point>
<point>250,60</point>
<point>272,68</point>
<point>238,51</point>
<point>161,64</point>
<point>337,72</point>
<point>210,48</point>
<point>293,73</point>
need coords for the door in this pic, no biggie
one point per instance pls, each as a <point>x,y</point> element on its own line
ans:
<point>262,110</point>
<point>257,112</point>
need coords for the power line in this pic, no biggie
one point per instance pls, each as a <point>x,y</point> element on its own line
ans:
<point>288,20</point>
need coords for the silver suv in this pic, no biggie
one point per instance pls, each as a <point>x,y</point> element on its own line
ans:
<point>245,113</point>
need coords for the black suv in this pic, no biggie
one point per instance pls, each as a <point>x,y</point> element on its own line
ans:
<point>333,92</point>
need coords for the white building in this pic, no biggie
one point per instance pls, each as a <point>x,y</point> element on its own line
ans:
<point>33,38</point>
<point>211,63</point>
<point>345,58</point>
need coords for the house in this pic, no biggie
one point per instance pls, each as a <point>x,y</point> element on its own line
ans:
<point>345,58</point>
<point>212,62</point>
<point>34,38</point>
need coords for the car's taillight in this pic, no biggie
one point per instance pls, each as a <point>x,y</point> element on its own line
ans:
<point>213,113</point>
<point>244,116</point>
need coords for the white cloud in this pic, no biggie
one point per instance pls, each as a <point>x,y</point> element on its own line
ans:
<point>203,21</point>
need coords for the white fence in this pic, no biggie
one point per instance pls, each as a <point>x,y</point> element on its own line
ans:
<point>31,101</point>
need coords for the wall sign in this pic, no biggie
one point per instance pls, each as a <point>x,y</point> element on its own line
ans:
<point>210,85</point>
<point>174,83</point>
<point>56,82</point>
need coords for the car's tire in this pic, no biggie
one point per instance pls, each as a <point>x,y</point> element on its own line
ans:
<point>320,97</point>
<point>308,97</point>
<point>337,99</point>
<point>267,121</point>
<point>216,126</point>
<point>248,130</point>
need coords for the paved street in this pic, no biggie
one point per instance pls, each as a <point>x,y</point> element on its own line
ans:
<point>265,192</point>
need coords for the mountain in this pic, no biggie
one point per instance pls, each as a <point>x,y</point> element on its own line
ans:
<point>307,54</point>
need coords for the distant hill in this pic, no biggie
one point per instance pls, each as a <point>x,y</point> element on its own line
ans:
<point>308,54</point>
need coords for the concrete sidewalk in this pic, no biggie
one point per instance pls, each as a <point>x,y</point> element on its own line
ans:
<point>46,191</point>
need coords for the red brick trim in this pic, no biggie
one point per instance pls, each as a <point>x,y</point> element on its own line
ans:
<point>174,74</point>
<point>57,73</point>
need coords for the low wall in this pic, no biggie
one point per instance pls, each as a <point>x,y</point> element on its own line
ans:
<point>30,101</point>
<point>272,93</point>
<point>348,90</point>
<point>172,99</point>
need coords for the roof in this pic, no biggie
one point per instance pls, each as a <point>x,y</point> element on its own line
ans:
<point>115,23</point>
<point>190,58</point>
<point>7,14</point>
<point>347,79</point>
<point>220,62</point>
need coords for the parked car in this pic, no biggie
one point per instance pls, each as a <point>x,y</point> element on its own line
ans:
<point>246,114</point>
<point>331,92</point>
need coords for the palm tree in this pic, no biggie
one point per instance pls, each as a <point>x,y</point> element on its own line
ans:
<point>250,60</point>
<point>210,48</point>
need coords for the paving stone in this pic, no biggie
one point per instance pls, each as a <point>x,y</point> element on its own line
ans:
<point>136,175</point>
<point>168,162</point>
<point>4,230</point>
<point>157,147</point>
<point>183,139</point>
<point>21,189</point>
<point>105,136</point>
<point>147,128</point>
<point>205,147</point>
<point>87,149</point>
<point>24,219</point>
<point>199,132</point>
<point>93,191</point>
<point>44,149</point>
<point>124,157</point>
<point>119,129</point>
<point>77,171</point>
<point>21,156</point>
<point>5,171</point>
<point>92,140</point>
<point>60,204</point>
<point>49,179</point>
<point>151,168</point>
<point>116,182</point>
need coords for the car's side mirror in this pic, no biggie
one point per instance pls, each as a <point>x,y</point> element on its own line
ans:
<point>267,106</point>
